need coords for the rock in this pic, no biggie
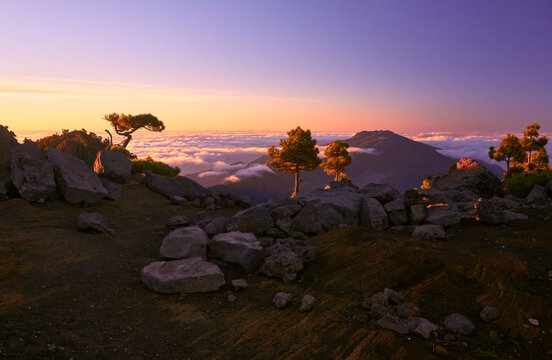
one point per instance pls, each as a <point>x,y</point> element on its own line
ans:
<point>8,141</point>
<point>538,195</point>
<point>489,314</point>
<point>393,323</point>
<point>304,251</point>
<point>281,299</point>
<point>458,196</point>
<point>533,322</point>
<point>307,303</point>
<point>94,221</point>
<point>253,220</point>
<point>200,218</point>
<point>490,211</point>
<point>549,186</point>
<point>178,221</point>
<point>344,200</point>
<point>396,211</point>
<point>238,248</point>
<point>275,232</point>
<point>443,214</point>
<point>440,350</point>
<point>183,276</point>
<point>284,211</point>
<point>114,191</point>
<point>407,309</point>
<point>168,186</point>
<point>416,213</point>
<point>187,242</point>
<point>31,173</point>
<point>384,193</point>
<point>113,165</point>
<point>379,298</point>
<point>232,298</point>
<point>282,263</point>
<point>78,183</point>
<point>3,190</point>
<point>373,215</point>
<point>470,175</point>
<point>216,226</point>
<point>429,232</point>
<point>308,220</point>
<point>239,284</point>
<point>421,326</point>
<point>377,311</point>
<point>459,324</point>
<point>284,224</point>
<point>181,200</point>
<point>330,217</point>
<point>394,297</point>
<point>510,216</point>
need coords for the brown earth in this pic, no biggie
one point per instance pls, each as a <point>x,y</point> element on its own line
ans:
<point>66,294</point>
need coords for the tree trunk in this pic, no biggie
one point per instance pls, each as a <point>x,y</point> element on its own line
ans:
<point>297,180</point>
<point>127,140</point>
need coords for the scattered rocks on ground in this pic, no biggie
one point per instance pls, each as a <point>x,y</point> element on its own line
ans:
<point>307,303</point>
<point>489,314</point>
<point>94,222</point>
<point>239,284</point>
<point>421,326</point>
<point>183,276</point>
<point>31,173</point>
<point>429,232</point>
<point>281,299</point>
<point>187,242</point>
<point>393,323</point>
<point>238,248</point>
<point>459,324</point>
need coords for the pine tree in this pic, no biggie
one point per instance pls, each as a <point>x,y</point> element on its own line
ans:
<point>509,150</point>
<point>531,143</point>
<point>337,158</point>
<point>298,152</point>
<point>126,125</point>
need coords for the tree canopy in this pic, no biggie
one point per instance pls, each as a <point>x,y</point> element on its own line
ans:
<point>298,152</point>
<point>337,158</point>
<point>531,143</point>
<point>508,150</point>
<point>125,125</point>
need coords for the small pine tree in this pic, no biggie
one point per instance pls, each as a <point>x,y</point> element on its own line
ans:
<point>298,152</point>
<point>509,150</point>
<point>531,143</point>
<point>337,159</point>
<point>126,125</point>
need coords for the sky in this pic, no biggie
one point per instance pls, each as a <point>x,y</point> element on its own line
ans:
<point>407,66</point>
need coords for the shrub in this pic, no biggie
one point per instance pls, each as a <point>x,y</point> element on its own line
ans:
<point>428,181</point>
<point>122,150</point>
<point>452,168</point>
<point>520,185</point>
<point>156,167</point>
<point>80,143</point>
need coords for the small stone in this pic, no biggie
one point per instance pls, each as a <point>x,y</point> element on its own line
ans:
<point>393,296</point>
<point>533,322</point>
<point>239,284</point>
<point>489,314</point>
<point>449,337</point>
<point>377,311</point>
<point>232,298</point>
<point>423,331</point>
<point>393,323</point>
<point>459,324</point>
<point>407,309</point>
<point>307,303</point>
<point>440,350</point>
<point>281,299</point>
<point>379,298</point>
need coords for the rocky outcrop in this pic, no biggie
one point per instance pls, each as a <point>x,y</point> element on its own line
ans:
<point>255,220</point>
<point>443,214</point>
<point>78,183</point>
<point>238,248</point>
<point>384,193</point>
<point>94,222</point>
<point>185,242</point>
<point>113,165</point>
<point>31,173</point>
<point>373,215</point>
<point>7,143</point>
<point>469,175</point>
<point>183,276</point>
<point>114,191</point>
<point>166,185</point>
<point>216,226</point>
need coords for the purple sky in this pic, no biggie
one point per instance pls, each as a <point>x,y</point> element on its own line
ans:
<point>433,65</point>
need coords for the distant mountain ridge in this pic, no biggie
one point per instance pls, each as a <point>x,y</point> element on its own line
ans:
<point>398,161</point>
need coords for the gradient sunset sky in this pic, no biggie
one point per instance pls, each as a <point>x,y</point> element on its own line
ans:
<point>406,66</point>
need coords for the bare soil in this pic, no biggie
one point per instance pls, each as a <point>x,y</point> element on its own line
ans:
<point>67,294</point>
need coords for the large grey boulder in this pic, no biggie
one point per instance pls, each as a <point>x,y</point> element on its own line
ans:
<point>185,242</point>
<point>168,186</point>
<point>183,276</point>
<point>113,165</point>
<point>384,193</point>
<point>78,183</point>
<point>255,220</point>
<point>285,209</point>
<point>282,263</point>
<point>114,191</point>
<point>396,211</point>
<point>416,213</point>
<point>216,226</point>
<point>393,323</point>
<point>238,248</point>
<point>459,324</point>
<point>95,222</point>
<point>307,220</point>
<point>31,173</point>
<point>443,214</point>
<point>373,214</point>
<point>490,211</point>
<point>538,195</point>
<point>429,232</point>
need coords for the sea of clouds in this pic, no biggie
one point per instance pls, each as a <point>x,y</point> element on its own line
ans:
<point>228,154</point>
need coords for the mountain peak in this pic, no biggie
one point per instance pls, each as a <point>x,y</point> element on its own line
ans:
<point>383,140</point>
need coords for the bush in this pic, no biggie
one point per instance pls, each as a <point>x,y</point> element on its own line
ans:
<point>122,150</point>
<point>428,181</point>
<point>520,185</point>
<point>156,167</point>
<point>80,143</point>
<point>452,167</point>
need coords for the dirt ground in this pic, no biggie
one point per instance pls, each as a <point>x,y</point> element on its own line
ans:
<point>66,294</point>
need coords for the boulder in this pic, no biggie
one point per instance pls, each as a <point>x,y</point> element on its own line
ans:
<point>443,214</point>
<point>8,141</point>
<point>95,222</point>
<point>489,314</point>
<point>490,211</point>
<point>114,191</point>
<point>282,263</point>
<point>3,191</point>
<point>407,309</point>
<point>187,242</point>
<point>78,183</point>
<point>113,165</point>
<point>307,303</point>
<point>470,175</point>
<point>31,173</point>
<point>459,324</point>
<point>384,193</point>
<point>304,251</point>
<point>393,323</point>
<point>285,210</point>
<point>330,217</point>
<point>168,186</point>
<point>538,195</point>
<point>416,213</point>
<point>549,186</point>
<point>373,214</point>
<point>429,232</point>
<point>344,199</point>
<point>253,220</point>
<point>238,248</point>
<point>284,224</point>
<point>183,276</point>
<point>239,284</point>
<point>510,216</point>
<point>281,299</point>
<point>216,226</point>
<point>421,326</point>
<point>308,219</point>
<point>396,211</point>
<point>178,221</point>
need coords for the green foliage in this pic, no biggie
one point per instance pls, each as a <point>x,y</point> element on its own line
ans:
<point>452,167</point>
<point>534,147</point>
<point>121,150</point>
<point>520,185</point>
<point>337,158</point>
<point>156,167</point>
<point>80,143</point>
<point>125,125</point>
<point>298,152</point>
<point>509,150</point>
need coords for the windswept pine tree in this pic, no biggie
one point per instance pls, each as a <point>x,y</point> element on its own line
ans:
<point>509,150</point>
<point>534,147</point>
<point>126,125</point>
<point>337,159</point>
<point>298,152</point>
